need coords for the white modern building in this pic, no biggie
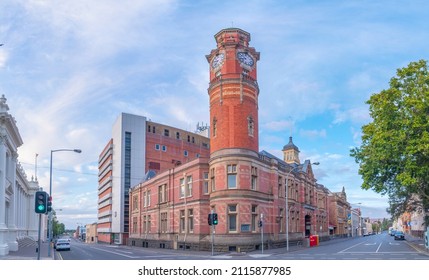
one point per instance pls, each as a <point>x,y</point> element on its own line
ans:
<point>18,219</point>
<point>120,167</point>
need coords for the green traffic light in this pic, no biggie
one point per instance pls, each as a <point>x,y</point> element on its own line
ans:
<point>41,207</point>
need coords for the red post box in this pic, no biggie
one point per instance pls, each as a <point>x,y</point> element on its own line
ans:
<point>313,240</point>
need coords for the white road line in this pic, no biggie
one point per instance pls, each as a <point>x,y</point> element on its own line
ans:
<point>379,247</point>
<point>128,256</point>
<point>350,247</point>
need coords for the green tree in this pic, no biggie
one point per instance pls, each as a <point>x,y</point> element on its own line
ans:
<point>394,155</point>
<point>57,227</point>
<point>385,224</point>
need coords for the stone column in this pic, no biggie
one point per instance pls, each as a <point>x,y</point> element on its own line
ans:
<point>4,247</point>
<point>13,230</point>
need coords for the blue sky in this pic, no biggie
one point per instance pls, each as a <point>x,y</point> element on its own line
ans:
<point>69,68</point>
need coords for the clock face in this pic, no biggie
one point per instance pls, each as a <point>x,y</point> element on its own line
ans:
<point>245,58</point>
<point>217,60</point>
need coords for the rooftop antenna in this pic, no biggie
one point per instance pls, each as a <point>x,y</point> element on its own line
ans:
<point>291,126</point>
<point>35,167</point>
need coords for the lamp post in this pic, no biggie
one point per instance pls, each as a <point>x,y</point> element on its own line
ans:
<point>50,194</point>
<point>286,203</point>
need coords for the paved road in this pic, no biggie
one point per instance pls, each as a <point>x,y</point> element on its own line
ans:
<point>376,247</point>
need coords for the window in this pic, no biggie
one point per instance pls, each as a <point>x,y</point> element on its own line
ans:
<point>212,179</point>
<point>144,199</point>
<point>254,172</point>
<point>197,155</point>
<point>232,218</point>
<point>189,138</point>
<point>281,214</point>
<point>280,186</point>
<point>135,225</point>
<point>189,186</point>
<point>164,148</point>
<point>127,179</point>
<point>148,198</point>
<point>206,183</point>
<point>182,187</point>
<point>157,147</point>
<point>146,224</point>
<point>232,176</point>
<point>254,217</point>
<point>182,221</point>
<point>148,128</point>
<point>193,139</point>
<point>214,127</point>
<point>162,193</point>
<point>177,135</point>
<point>205,145</point>
<point>185,153</point>
<point>250,125</point>
<point>135,202</point>
<point>166,132</point>
<point>153,129</point>
<point>190,220</point>
<point>163,222</point>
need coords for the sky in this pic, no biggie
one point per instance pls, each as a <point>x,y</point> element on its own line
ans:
<point>69,68</point>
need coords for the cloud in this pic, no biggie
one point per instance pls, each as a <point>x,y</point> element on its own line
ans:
<point>313,134</point>
<point>358,115</point>
<point>278,125</point>
<point>3,57</point>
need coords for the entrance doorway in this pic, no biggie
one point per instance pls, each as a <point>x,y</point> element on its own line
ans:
<point>307,225</point>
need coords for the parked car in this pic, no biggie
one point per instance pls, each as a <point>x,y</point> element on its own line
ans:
<point>62,244</point>
<point>392,233</point>
<point>399,235</point>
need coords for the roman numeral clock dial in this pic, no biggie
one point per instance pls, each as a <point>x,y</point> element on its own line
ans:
<point>217,60</point>
<point>245,58</point>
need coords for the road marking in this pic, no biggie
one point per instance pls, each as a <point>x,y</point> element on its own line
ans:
<point>350,247</point>
<point>260,255</point>
<point>222,257</point>
<point>390,243</point>
<point>378,247</point>
<point>128,256</point>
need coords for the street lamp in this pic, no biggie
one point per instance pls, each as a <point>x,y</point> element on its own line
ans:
<point>286,204</point>
<point>50,194</point>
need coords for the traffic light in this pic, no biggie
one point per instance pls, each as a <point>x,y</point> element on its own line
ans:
<point>210,219</point>
<point>214,218</point>
<point>260,224</point>
<point>49,204</point>
<point>41,202</point>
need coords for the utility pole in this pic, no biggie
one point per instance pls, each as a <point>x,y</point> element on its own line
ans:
<point>261,224</point>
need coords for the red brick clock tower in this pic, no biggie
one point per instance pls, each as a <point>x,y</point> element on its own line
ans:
<point>233,92</point>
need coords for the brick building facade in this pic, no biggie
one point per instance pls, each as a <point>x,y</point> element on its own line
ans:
<point>239,183</point>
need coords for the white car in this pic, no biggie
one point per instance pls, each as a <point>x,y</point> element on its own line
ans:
<point>62,244</point>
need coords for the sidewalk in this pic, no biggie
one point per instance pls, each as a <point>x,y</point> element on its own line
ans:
<point>417,243</point>
<point>27,250</point>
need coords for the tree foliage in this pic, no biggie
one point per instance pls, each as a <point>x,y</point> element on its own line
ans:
<point>394,155</point>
